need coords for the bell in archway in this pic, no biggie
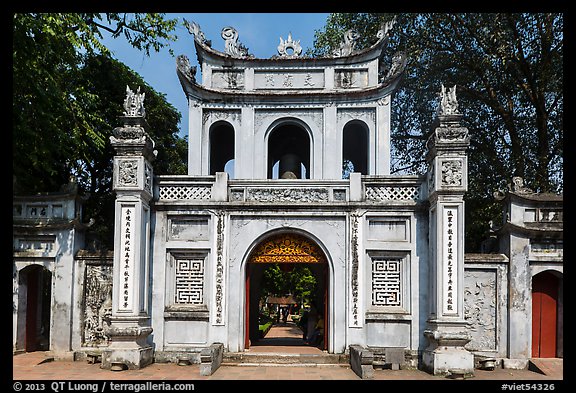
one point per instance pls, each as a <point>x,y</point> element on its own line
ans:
<point>290,167</point>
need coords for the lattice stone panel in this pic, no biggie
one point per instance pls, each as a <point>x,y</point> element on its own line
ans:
<point>386,289</point>
<point>189,286</point>
<point>175,193</point>
<point>380,194</point>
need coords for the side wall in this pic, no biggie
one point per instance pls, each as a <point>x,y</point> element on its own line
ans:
<point>486,304</point>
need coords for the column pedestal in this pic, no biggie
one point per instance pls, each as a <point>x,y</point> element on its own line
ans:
<point>446,351</point>
<point>128,344</point>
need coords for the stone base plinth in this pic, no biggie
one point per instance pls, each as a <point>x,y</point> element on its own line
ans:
<point>443,360</point>
<point>131,358</point>
<point>446,353</point>
<point>128,348</point>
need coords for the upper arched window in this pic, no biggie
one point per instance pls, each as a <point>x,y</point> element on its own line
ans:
<point>222,148</point>
<point>354,148</point>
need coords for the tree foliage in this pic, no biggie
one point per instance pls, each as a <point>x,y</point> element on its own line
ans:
<point>67,95</point>
<point>299,281</point>
<point>509,76</point>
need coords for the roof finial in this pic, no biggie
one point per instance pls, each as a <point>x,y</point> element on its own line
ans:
<point>134,103</point>
<point>448,102</point>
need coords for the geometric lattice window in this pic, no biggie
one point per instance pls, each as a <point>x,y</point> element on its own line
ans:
<point>189,281</point>
<point>386,282</point>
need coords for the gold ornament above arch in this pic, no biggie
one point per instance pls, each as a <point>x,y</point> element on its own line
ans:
<point>287,248</point>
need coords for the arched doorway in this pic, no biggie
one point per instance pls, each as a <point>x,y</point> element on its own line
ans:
<point>290,251</point>
<point>546,299</point>
<point>36,282</point>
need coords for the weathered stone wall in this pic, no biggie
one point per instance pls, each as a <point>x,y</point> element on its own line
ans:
<point>485,303</point>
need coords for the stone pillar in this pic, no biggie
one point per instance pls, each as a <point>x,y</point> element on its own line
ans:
<point>195,139</point>
<point>447,182</point>
<point>132,182</point>
<point>382,156</point>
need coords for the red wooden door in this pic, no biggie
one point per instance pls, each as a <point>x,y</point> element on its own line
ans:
<point>247,311</point>
<point>326,319</point>
<point>544,315</point>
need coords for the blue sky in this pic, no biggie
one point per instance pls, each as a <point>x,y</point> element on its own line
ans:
<point>259,32</point>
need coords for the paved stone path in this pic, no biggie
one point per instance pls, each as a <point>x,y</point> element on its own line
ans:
<point>281,339</point>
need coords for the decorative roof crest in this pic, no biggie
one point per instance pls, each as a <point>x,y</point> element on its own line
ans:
<point>448,103</point>
<point>385,28</point>
<point>232,47</point>
<point>399,61</point>
<point>289,44</point>
<point>183,66</point>
<point>134,103</point>
<point>347,46</point>
<point>194,29</point>
<point>517,186</point>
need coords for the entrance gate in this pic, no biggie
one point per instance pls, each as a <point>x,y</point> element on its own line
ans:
<point>287,250</point>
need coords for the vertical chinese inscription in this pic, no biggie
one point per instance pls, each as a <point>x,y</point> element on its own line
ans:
<point>450,265</point>
<point>354,245</point>
<point>127,259</point>
<point>219,268</point>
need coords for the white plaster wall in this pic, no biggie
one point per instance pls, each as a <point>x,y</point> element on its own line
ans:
<point>65,311</point>
<point>397,328</point>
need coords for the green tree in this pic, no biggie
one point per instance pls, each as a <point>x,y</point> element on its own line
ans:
<point>107,79</point>
<point>509,76</point>
<point>303,283</point>
<point>299,281</point>
<point>67,95</point>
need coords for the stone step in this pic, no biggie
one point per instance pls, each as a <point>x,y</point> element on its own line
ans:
<point>553,367</point>
<point>244,358</point>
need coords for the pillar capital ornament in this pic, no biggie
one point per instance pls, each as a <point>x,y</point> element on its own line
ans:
<point>132,138</point>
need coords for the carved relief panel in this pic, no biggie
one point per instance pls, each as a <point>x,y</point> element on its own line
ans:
<point>351,78</point>
<point>133,173</point>
<point>228,79</point>
<point>97,300</point>
<point>480,308</point>
<point>447,174</point>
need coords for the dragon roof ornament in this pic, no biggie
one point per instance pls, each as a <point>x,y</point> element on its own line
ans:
<point>232,46</point>
<point>516,186</point>
<point>399,61</point>
<point>385,28</point>
<point>194,29</point>
<point>184,68</point>
<point>347,46</point>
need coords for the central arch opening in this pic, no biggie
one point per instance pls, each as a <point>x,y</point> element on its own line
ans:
<point>289,152</point>
<point>287,295</point>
